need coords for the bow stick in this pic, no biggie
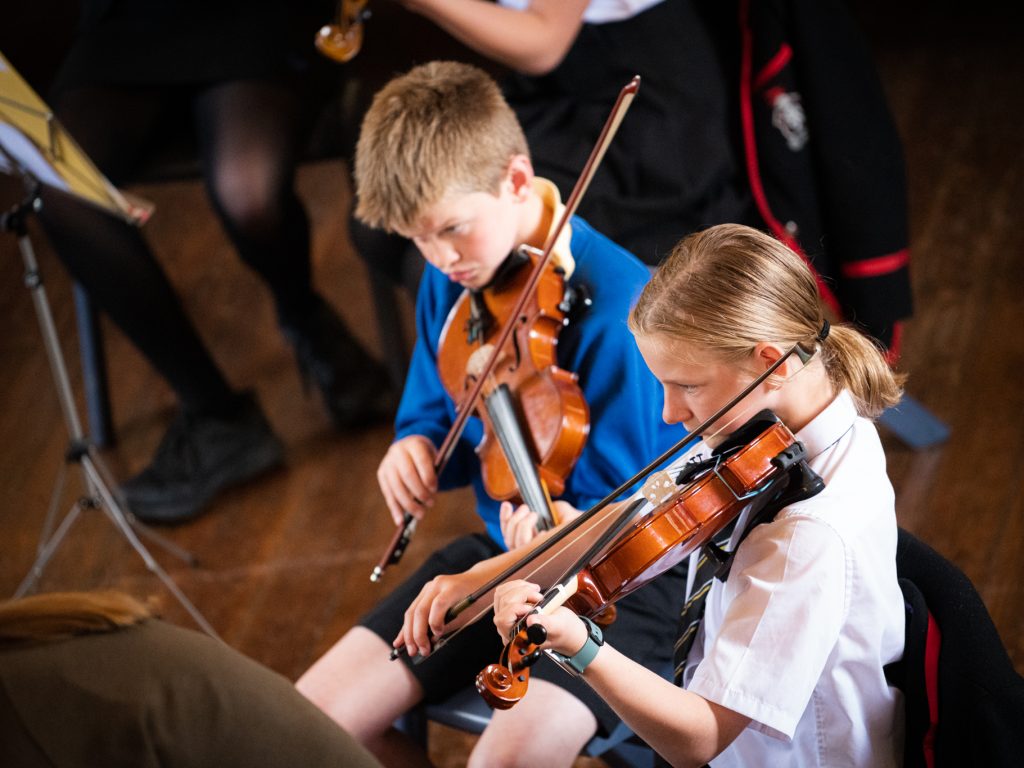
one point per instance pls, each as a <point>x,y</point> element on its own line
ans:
<point>403,533</point>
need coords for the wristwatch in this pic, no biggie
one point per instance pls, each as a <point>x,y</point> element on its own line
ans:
<point>582,658</point>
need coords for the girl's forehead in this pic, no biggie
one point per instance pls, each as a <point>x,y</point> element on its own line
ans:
<point>678,351</point>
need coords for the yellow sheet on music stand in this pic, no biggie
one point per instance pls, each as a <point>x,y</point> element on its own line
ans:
<point>31,134</point>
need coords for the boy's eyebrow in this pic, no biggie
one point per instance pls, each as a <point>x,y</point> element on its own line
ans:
<point>453,220</point>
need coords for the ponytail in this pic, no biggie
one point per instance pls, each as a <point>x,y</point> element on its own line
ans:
<point>855,363</point>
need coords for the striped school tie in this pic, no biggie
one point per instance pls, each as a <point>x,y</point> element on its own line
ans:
<point>693,610</point>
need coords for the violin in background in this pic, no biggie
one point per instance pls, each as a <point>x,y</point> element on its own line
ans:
<point>342,39</point>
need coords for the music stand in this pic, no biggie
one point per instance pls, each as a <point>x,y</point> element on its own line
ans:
<point>35,148</point>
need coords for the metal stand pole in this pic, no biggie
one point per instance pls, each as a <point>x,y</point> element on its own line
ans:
<point>96,477</point>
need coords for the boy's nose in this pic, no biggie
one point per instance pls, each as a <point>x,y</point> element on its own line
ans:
<point>439,254</point>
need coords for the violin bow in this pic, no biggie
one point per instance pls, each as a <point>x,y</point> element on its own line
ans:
<point>560,537</point>
<point>404,533</point>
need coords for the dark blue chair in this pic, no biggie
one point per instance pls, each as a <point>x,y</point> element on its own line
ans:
<point>964,700</point>
<point>467,711</point>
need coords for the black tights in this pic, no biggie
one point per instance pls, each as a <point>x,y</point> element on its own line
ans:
<point>249,134</point>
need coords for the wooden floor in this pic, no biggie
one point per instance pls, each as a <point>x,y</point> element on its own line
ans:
<point>284,561</point>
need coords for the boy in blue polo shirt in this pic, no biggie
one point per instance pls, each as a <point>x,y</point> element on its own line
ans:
<point>442,160</point>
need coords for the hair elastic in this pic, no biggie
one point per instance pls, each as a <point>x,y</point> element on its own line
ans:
<point>823,333</point>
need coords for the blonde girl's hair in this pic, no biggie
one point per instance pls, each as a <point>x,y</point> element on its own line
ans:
<point>443,127</point>
<point>63,615</point>
<point>730,287</point>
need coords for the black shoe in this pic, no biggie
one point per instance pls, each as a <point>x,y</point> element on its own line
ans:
<point>200,456</point>
<point>356,388</point>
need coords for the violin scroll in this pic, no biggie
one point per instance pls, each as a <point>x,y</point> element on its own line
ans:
<point>342,39</point>
<point>504,684</point>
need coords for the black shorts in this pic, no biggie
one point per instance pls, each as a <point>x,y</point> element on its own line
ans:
<point>644,630</point>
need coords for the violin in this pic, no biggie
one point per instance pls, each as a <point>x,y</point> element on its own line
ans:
<point>680,522</point>
<point>557,560</point>
<point>535,417</point>
<point>341,39</point>
<point>516,368</point>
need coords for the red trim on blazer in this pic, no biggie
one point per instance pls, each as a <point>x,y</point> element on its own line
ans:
<point>933,643</point>
<point>773,67</point>
<point>880,265</point>
<point>754,172</point>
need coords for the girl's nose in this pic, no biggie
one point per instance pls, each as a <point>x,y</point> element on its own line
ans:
<point>675,410</point>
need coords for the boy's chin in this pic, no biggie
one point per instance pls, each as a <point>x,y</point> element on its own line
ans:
<point>473,281</point>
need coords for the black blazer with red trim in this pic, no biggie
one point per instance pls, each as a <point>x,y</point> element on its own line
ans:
<point>823,157</point>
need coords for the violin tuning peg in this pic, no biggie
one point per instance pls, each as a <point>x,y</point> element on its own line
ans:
<point>537,634</point>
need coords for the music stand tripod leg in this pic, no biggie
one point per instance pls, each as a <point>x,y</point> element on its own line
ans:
<point>125,522</point>
<point>47,546</point>
<point>95,476</point>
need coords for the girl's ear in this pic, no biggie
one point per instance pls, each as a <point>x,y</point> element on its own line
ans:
<point>766,354</point>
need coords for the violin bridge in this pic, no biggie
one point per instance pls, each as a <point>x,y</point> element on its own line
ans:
<point>659,487</point>
<point>478,360</point>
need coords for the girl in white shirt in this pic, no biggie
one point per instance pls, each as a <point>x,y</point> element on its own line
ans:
<point>787,667</point>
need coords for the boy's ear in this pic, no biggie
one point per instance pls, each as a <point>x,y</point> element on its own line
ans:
<point>520,175</point>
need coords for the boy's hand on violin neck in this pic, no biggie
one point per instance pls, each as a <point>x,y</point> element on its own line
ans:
<point>515,599</point>
<point>519,524</point>
<point>406,477</point>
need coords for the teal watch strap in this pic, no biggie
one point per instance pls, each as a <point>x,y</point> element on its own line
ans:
<point>582,658</point>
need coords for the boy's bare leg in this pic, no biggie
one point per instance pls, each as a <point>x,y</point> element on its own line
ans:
<point>548,727</point>
<point>361,689</point>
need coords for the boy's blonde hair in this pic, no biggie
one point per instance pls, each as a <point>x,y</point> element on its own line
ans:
<point>730,287</point>
<point>441,128</point>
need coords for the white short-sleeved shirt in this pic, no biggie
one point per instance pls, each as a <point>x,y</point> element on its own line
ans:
<point>797,636</point>
<point>599,11</point>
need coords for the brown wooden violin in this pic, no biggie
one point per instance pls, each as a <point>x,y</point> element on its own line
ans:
<point>535,417</point>
<point>498,346</point>
<point>555,561</point>
<point>681,520</point>
<point>342,38</point>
